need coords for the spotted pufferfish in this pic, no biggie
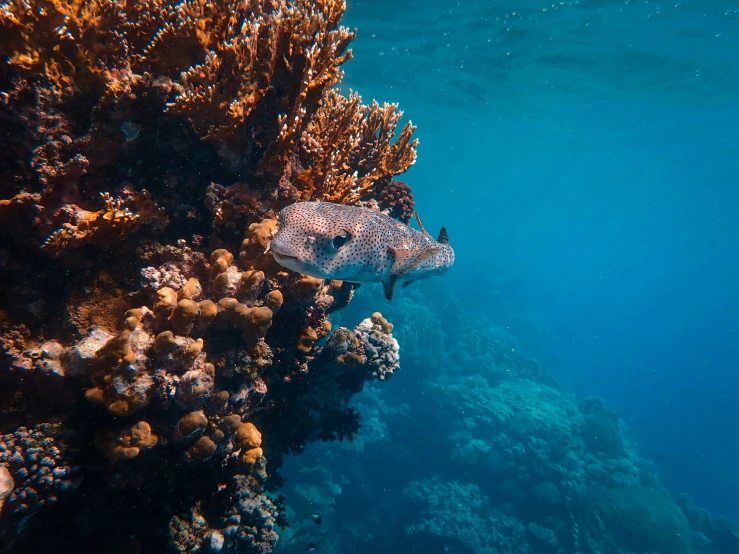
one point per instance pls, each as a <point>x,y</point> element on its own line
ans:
<point>355,244</point>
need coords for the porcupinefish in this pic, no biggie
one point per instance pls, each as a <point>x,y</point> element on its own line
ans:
<point>350,243</point>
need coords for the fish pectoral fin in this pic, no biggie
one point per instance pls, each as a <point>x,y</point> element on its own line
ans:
<point>388,286</point>
<point>407,283</point>
<point>406,259</point>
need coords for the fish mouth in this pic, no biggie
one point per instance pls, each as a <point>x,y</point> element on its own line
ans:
<point>280,257</point>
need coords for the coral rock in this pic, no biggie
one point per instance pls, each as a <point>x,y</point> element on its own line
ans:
<point>183,316</point>
<point>251,456</point>
<point>396,199</point>
<point>113,221</point>
<point>384,324</point>
<point>274,300</point>
<point>220,260</point>
<point>160,100</point>
<point>130,443</point>
<point>381,349</point>
<point>203,449</point>
<point>254,322</point>
<point>247,436</point>
<point>307,289</point>
<point>251,283</point>
<point>78,360</point>
<point>191,290</point>
<point>343,352</point>
<point>195,388</point>
<point>165,342</point>
<point>35,458</point>
<point>166,301</point>
<point>254,252</point>
<point>7,484</point>
<point>307,339</point>
<point>208,312</point>
<point>191,423</point>
<point>233,422</point>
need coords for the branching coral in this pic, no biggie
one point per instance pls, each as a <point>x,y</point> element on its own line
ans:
<point>349,149</point>
<point>95,88</point>
<point>113,222</point>
<point>286,56</point>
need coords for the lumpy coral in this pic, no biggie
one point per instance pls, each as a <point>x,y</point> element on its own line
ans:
<point>36,470</point>
<point>157,364</point>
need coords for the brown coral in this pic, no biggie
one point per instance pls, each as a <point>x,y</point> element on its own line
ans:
<point>129,443</point>
<point>203,449</point>
<point>191,423</point>
<point>349,149</point>
<point>251,456</point>
<point>254,252</point>
<point>307,339</point>
<point>298,43</point>
<point>396,199</point>
<point>247,436</point>
<point>113,221</point>
<point>183,316</point>
<point>219,261</point>
<point>384,324</point>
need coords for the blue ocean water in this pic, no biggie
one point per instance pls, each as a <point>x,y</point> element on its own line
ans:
<point>584,157</point>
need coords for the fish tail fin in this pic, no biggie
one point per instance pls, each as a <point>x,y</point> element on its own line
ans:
<point>406,260</point>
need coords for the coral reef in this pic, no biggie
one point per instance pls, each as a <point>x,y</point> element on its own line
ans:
<point>156,364</point>
<point>35,471</point>
<point>113,98</point>
<point>488,455</point>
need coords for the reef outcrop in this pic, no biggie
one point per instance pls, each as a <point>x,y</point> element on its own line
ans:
<point>156,363</point>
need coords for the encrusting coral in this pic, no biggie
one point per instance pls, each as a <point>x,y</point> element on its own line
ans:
<point>155,359</point>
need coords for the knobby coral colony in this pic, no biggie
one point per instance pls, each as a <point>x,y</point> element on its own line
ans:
<point>156,363</point>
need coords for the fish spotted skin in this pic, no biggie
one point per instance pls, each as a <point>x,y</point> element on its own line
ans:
<point>350,243</point>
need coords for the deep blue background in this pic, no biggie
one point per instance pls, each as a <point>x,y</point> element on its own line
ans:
<point>585,159</point>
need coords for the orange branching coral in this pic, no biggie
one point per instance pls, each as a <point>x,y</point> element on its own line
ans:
<point>350,149</point>
<point>113,221</point>
<point>67,39</point>
<point>60,32</point>
<point>258,63</point>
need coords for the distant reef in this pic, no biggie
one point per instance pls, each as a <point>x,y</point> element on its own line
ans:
<point>485,453</point>
<point>155,363</point>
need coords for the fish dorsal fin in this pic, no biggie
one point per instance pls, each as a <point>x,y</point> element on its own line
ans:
<point>388,286</point>
<point>408,259</point>
<point>443,236</point>
<point>423,229</point>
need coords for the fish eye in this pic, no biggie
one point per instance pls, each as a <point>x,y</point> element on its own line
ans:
<point>340,240</point>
